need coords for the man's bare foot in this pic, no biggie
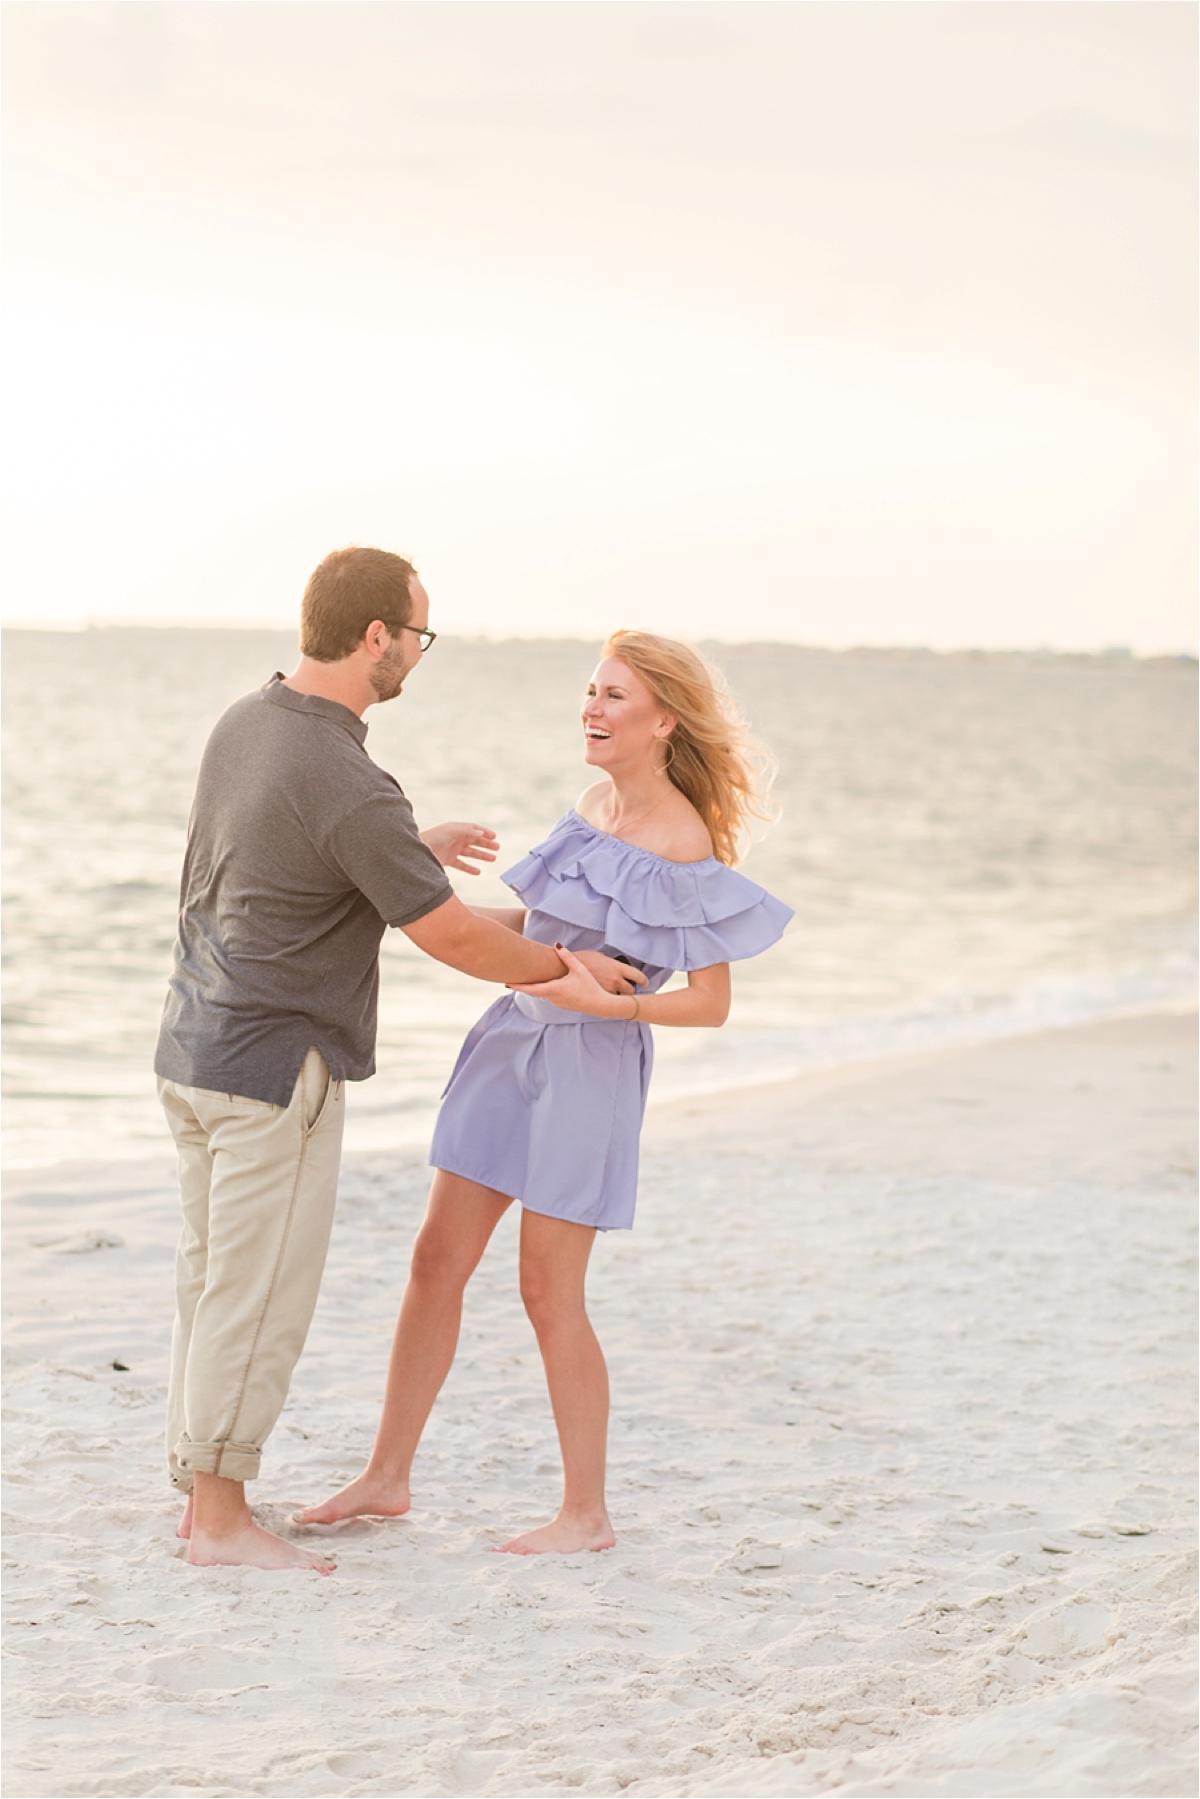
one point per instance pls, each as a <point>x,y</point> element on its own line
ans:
<point>569,1533</point>
<point>250,1546</point>
<point>185,1523</point>
<point>370,1496</point>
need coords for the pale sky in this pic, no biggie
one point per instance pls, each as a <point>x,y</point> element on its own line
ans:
<point>829,321</point>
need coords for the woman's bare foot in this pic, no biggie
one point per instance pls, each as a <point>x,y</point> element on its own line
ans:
<point>250,1546</point>
<point>185,1523</point>
<point>370,1496</point>
<point>569,1533</point>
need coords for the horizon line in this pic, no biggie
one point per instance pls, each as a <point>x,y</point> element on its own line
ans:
<point>1110,651</point>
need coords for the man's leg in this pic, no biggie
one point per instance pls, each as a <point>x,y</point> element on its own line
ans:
<point>191,1259</point>
<point>270,1203</point>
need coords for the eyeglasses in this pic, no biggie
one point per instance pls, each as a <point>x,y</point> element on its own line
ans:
<point>427,637</point>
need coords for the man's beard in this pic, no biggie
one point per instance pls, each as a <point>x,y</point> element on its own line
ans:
<point>387,676</point>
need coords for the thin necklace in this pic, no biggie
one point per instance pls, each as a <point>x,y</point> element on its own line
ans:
<point>645,815</point>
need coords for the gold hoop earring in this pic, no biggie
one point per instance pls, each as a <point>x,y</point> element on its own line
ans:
<point>671,757</point>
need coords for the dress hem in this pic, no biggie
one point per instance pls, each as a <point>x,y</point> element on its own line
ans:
<point>588,1224</point>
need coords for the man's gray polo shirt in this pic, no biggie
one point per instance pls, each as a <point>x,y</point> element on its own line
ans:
<point>301,851</point>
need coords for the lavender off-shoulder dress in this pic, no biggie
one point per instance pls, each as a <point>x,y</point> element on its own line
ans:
<point>546,1105</point>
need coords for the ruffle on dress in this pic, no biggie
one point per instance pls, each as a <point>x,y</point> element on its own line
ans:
<point>677,915</point>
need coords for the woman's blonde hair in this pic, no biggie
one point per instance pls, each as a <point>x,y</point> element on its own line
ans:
<point>711,757</point>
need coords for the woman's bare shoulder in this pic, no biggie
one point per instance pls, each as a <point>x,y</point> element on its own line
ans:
<point>590,804</point>
<point>680,834</point>
<point>677,832</point>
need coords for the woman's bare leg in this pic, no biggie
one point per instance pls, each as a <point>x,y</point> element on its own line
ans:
<point>459,1220</point>
<point>554,1259</point>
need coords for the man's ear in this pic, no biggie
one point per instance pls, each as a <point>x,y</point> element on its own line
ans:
<point>376,639</point>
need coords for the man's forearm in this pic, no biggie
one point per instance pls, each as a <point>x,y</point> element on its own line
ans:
<point>511,917</point>
<point>481,947</point>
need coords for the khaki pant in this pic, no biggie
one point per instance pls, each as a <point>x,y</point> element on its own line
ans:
<point>258,1185</point>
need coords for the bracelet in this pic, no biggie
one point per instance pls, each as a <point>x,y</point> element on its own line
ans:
<point>637,1006</point>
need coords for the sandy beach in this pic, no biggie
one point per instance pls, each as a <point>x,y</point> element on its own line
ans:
<point>902,1469</point>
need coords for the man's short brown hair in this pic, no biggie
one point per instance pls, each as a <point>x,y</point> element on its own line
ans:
<point>346,593</point>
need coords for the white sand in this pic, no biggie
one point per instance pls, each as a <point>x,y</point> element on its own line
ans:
<point>902,1471</point>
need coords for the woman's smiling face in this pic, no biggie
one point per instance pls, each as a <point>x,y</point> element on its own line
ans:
<point>622,720</point>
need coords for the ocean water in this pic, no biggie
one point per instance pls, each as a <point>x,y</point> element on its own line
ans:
<point>974,845</point>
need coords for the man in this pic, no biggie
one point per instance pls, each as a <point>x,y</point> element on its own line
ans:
<point>300,853</point>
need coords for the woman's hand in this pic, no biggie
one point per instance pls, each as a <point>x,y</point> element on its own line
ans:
<point>451,842</point>
<point>580,991</point>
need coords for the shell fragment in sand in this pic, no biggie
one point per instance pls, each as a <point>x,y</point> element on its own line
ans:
<point>81,1243</point>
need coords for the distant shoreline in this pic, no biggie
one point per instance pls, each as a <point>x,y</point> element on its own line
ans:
<point>1114,655</point>
<point>723,1109</point>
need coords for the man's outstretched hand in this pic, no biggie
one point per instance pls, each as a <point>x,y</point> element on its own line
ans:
<point>452,843</point>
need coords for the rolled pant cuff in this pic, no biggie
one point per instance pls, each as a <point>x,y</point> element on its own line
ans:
<point>232,1461</point>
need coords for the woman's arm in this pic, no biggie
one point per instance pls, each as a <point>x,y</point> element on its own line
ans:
<point>704,1001</point>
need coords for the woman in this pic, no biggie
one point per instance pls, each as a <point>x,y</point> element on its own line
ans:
<point>545,1102</point>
